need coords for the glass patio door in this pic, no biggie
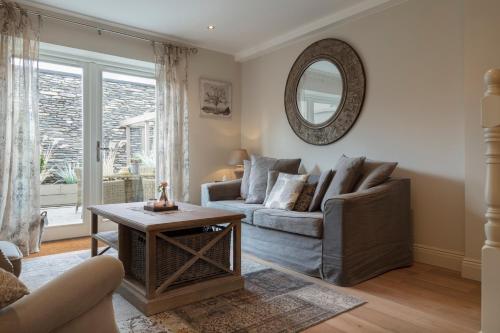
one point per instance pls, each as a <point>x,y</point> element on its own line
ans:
<point>127,145</point>
<point>97,115</point>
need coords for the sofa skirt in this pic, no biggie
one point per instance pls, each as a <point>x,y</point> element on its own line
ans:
<point>297,252</point>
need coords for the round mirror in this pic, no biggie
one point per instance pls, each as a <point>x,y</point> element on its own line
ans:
<point>319,92</point>
<point>324,92</point>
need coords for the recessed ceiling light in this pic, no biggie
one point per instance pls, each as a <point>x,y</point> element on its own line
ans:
<point>211,27</point>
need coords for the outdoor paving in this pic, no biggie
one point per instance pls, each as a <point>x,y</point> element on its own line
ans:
<point>63,215</point>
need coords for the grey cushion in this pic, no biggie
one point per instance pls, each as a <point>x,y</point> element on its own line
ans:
<point>287,165</point>
<point>374,173</point>
<point>238,206</point>
<point>245,180</point>
<point>13,254</point>
<point>347,173</point>
<point>258,178</point>
<point>272,176</point>
<point>323,182</point>
<point>286,191</point>
<point>302,223</point>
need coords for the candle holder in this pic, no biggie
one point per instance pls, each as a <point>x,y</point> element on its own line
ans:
<point>163,204</point>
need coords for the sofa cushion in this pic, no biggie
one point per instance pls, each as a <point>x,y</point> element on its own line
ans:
<point>286,191</point>
<point>238,206</point>
<point>347,174</point>
<point>272,176</point>
<point>374,173</point>
<point>245,180</point>
<point>287,165</point>
<point>302,223</point>
<point>258,178</point>
<point>305,197</point>
<point>323,182</point>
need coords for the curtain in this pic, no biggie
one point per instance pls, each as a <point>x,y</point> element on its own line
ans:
<point>19,149</point>
<point>172,120</point>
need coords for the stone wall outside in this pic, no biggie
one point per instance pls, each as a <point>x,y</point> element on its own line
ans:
<point>60,115</point>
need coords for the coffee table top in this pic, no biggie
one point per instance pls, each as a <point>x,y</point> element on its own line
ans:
<point>134,216</point>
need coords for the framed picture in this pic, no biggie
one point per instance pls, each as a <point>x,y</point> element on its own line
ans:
<point>215,98</point>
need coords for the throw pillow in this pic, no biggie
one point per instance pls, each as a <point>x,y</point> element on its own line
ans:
<point>245,179</point>
<point>286,191</point>
<point>374,173</point>
<point>258,178</point>
<point>323,182</point>
<point>305,197</point>
<point>11,288</point>
<point>287,165</point>
<point>272,176</point>
<point>347,173</point>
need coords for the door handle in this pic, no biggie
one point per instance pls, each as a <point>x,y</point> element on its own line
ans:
<point>99,149</point>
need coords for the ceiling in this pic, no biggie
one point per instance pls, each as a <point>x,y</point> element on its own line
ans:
<point>243,27</point>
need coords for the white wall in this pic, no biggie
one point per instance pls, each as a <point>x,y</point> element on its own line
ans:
<point>413,112</point>
<point>210,140</point>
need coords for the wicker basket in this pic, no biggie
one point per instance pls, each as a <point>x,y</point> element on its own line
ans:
<point>170,258</point>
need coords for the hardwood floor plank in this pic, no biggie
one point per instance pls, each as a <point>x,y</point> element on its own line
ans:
<point>420,298</point>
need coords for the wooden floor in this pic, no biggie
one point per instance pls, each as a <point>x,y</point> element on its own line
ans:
<point>421,298</point>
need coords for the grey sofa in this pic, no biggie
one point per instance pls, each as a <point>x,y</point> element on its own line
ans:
<point>358,235</point>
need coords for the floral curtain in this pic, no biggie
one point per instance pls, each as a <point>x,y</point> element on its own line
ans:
<point>19,149</point>
<point>172,119</point>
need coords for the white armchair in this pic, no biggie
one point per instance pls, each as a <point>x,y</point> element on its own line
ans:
<point>78,301</point>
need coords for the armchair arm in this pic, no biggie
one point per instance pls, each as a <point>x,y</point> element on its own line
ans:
<point>228,190</point>
<point>367,233</point>
<point>65,298</point>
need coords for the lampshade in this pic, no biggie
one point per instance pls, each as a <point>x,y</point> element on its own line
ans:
<point>237,157</point>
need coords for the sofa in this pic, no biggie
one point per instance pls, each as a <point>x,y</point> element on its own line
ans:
<point>80,300</point>
<point>356,236</point>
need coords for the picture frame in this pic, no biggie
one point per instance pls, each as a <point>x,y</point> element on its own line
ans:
<point>215,98</point>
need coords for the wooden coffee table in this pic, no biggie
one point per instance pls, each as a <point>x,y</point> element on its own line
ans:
<point>147,296</point>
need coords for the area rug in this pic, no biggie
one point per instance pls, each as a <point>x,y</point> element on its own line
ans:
<point>272,301</point>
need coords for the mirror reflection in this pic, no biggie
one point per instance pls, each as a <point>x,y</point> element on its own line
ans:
<point>319,92</point>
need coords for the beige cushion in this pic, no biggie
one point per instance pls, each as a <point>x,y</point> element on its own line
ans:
<point>286,191</point>
<point>272,176</point>
<point>11,288</point>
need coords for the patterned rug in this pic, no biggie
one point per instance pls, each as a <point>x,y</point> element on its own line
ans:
<point>272,301</point>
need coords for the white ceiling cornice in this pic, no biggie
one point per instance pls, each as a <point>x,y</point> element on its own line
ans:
<point>365,7</point>
<point>100,23</point>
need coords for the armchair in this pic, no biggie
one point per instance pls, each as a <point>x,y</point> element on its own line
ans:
<point>78,301</point>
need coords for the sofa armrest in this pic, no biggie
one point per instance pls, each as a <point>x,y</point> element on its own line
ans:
<point>228,190</point>
<point>366,232</point>
<point>65,298</point>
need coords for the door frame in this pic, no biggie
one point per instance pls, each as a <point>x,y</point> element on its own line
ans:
<point>93,65</point>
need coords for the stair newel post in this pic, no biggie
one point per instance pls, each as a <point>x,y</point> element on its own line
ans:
<point>490,273</point>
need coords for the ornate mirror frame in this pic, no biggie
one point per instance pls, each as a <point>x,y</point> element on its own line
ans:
<point>354,84</point>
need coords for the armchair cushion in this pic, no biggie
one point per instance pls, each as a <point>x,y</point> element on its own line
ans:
<point>302,223</point>
<point>11,288</point>
<point>13,254</point>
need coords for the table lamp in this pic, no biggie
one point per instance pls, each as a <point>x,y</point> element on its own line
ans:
<point>236,159</point>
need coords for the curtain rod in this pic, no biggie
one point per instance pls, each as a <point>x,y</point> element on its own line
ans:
<point>100,30</point>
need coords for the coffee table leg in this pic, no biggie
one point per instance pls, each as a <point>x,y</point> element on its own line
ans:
<point>237,247</point>
<point>150,265</point>
<point>93,231</point>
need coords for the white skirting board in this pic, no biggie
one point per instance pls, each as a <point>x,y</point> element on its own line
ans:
<point>454,260</point>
